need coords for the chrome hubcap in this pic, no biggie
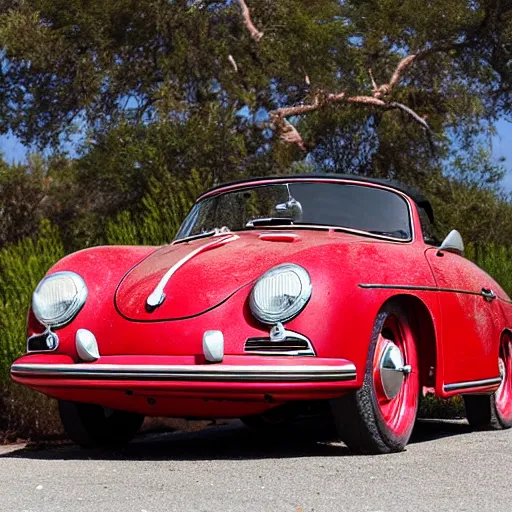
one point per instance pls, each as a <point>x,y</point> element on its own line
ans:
<point>392,370</point>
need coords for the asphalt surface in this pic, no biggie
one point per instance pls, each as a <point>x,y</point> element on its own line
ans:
<point>229,468</point>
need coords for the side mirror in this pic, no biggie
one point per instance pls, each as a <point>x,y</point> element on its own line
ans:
<point>452,243</point>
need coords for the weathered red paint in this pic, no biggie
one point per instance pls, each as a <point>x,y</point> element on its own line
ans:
<point>210,292</point>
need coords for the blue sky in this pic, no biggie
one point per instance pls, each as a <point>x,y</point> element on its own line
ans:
<point>503,148</point>
<point>14,151</point>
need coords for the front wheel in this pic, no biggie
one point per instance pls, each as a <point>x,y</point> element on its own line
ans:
<point>379,417</point>
<point>91,426</point>
<point>494,412</point>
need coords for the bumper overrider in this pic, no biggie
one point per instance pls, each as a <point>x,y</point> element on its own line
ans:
<point>290,378</point>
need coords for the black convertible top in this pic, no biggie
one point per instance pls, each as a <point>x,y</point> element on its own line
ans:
<point>413,193</point>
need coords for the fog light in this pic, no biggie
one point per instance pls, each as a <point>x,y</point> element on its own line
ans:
<point>86,345</point>
<point>213,346</point>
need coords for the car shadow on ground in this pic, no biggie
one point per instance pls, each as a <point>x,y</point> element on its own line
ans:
<point>233,442</point>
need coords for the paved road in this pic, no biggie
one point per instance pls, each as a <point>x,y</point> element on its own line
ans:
<point>445,468</point>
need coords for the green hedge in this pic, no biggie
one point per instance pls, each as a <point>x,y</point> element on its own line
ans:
<point>495,260</point>
<point>164,208</point>
<point>28,414</point>
<point>23,412</point>
<point>21,267</point>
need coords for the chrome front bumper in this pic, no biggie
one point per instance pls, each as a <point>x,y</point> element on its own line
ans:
<point>207,372</point>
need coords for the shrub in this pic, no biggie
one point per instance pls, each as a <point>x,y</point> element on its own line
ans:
<point>164,209</point>
<point>433,407</point>
<point>22,266</point>
<point>27,414</point>
<point>495,260</point>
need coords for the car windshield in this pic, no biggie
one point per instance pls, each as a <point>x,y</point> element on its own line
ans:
<point>358,207</point>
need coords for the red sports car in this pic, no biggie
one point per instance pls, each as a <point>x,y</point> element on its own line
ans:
<point>276,293</point>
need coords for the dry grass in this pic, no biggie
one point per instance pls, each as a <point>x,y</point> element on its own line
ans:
<point>26,414</point>
<point>31,416</point>
<point>435,408</point>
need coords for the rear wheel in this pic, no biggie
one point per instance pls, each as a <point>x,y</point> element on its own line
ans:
<point>494,412</point>
<point>91,425</point>
<point>379,417</point>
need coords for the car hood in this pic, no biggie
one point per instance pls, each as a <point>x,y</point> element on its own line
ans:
<point>206,272</point>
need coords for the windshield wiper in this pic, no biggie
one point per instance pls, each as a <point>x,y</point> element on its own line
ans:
<point>269,221</point>
<point>399,233</point>
<point>204,234</point>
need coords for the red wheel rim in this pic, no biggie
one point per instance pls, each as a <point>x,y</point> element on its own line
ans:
<point>504,392</point>
<point>398,413</point>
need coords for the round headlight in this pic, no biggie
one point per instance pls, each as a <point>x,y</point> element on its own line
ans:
<point>280,294</point>
<point>58,298</point>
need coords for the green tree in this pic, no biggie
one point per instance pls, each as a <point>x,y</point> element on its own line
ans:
<point>41,188</point>
<point>92,65</point>
<point>157,88</point>
<point>163,210</point>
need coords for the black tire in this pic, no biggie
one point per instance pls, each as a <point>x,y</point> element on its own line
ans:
<point>92,426</point>
<point>494,412</point>
<point>482,414</point>
<point>357,415</point>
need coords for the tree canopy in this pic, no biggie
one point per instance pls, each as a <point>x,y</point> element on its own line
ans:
<point>149,91</point>
<point>89,65</point>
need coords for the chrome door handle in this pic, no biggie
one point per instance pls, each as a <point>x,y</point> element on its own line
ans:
<point>488,294</point>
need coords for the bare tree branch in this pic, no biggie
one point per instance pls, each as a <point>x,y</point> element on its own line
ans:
<point>233,63</point>
<point>288,133</point>
<point>307,80</point>
<point>279,117</point>
<point>334,97</point>
<point>246,15</point>
<point>367,100</point>
<point>297,110</point>
<point>375,87</point>
<point>402,66</point>
<point>410,111</point>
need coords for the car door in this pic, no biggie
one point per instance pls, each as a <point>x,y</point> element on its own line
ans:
<point>472,320</point>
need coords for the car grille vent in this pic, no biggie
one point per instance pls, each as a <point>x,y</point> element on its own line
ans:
<point>289,346</point>
<point>45,342</point>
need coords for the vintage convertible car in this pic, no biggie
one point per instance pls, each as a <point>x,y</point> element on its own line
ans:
<point>277,293</point>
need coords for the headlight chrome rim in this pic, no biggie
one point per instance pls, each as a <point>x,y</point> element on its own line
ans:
<point>77,301</point>
<point>294,308</point>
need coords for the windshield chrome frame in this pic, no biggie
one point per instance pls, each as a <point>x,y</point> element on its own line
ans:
<point>284,180</point>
